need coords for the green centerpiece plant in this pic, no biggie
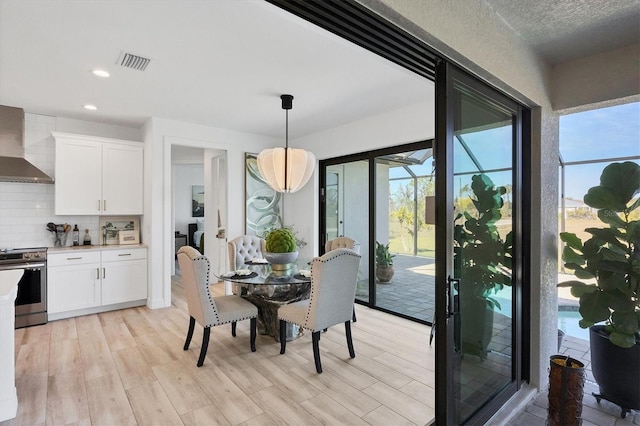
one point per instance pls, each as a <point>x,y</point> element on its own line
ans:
<point>282,249</point>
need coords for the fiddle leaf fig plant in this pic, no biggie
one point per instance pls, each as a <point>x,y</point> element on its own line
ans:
<point>611,256</point>
<point>483,258</point>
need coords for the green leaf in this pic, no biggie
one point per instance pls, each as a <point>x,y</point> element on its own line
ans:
<point>594,307</point>
<point>623,179</point>
<point>625,322</point>
<point>611,217</point>
<point>601,197</point>
<point>570,256</point>
<point>585,324</point>
<point>622,339</point>
<point>609,235</point>
<point>571,240</point>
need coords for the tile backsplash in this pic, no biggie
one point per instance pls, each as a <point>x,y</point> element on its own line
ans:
<point>26,208</point>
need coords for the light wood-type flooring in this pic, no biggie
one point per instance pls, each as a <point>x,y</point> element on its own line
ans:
<point>128,367</point>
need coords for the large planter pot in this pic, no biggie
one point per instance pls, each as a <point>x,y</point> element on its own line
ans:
<point>384,273</point>
<point>476,326</point>
<point>616,370</point>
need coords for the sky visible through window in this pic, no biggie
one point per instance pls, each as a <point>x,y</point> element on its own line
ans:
<point>593,135</point>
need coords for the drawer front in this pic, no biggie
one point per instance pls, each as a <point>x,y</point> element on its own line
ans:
<point>73,258</point>
<point>124,254</point>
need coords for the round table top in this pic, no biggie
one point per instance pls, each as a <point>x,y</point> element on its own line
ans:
<point>263,275</point>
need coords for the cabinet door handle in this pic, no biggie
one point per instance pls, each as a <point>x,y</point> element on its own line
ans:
<point>97,274</point>
<point>98,205</point>
<point>104,205</point>
<point>74,258</point>
<point>124,254</point>
<point>104,273</point>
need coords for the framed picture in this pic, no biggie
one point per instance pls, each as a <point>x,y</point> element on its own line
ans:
<point>197,201</point>
<point>112,226</point>
<point>263,205</point>
<point>129,237</point>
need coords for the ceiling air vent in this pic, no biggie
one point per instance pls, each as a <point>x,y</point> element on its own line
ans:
<point>136,62</point>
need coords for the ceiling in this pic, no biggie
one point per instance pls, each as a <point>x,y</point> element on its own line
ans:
<point>225,63</point>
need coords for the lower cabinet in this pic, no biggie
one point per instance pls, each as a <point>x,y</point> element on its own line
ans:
<point>94,281</point>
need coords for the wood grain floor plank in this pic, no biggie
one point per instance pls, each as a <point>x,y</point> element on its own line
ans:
<point>180,387</point>
<point>96,357</point>
<point>209,415</point>
<point>67,398</point>
<point>63,329</point>
<point>236,406</point>
<point>89,327</point>
<point>151,406</point>
<point>108,402</point>
<point>330,412</point>
<point>154,349</point>
<point>118,336</point>
<point>133,367</point>
<point>32,358</point>
<point>32,399</point>
<point>410,408</point>
<point>283,409</point>
<point>64,356</point>
<point>384,416</point>
<point>331,383</point>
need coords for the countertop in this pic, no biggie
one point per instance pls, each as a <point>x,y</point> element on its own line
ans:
<point>71,249</point>
<point>9,284</point>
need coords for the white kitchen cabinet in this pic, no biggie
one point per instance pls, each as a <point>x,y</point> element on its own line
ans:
<point>98,176</point>
<point>81,281</point>
<point>73,281</point>
<point>124,275</point>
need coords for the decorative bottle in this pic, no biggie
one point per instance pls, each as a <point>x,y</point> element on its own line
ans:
<point>76,235</point>
<point>87,238</point>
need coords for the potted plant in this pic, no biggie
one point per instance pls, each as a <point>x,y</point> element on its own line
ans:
<point>282,249</point>
<point>482,263</point>
<point>384,263</point>
<point>612,257</point>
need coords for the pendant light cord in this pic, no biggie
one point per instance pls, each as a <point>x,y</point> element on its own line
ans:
<point>286,150</point>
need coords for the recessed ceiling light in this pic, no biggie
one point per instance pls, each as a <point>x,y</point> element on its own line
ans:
<point>100,73</point>
<point>90,107</point>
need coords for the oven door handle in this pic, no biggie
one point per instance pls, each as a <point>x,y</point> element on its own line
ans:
<point>22,266</point>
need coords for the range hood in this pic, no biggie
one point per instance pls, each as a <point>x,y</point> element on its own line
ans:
<point>13,166</point>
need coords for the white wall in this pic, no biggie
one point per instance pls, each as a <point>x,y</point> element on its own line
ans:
<point>26,208</point>
<point>160,135</point>
<point>185,176</point>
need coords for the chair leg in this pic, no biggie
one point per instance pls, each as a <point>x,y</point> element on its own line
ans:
<point>233,329</point>
<point>205,345</point>
<point>253,334</point>
<point>347,330</point>
<point>192,324</point>
<point>315,338</point>
<point>354,314</point>
<point>283,336</point>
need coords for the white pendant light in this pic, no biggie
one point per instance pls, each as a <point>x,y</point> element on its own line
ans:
<point>286,169</point>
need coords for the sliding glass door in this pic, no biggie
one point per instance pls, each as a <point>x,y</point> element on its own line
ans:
<point>379,199</point>
<point>478,250</point>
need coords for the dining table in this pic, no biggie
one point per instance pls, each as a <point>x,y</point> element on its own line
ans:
<point>269,289</point>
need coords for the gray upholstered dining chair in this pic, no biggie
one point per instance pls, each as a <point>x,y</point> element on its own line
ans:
<point>333,286</point>
<point>343,242</point>
<point>243,249</point>
<point>204,308</point>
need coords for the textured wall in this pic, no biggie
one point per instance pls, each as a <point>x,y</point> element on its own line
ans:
<point>597,78</point>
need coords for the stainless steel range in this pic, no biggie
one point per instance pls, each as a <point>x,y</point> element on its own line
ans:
<point>31,302</point>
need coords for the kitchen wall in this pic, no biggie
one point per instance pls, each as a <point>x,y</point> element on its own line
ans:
<point>26,208</point>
